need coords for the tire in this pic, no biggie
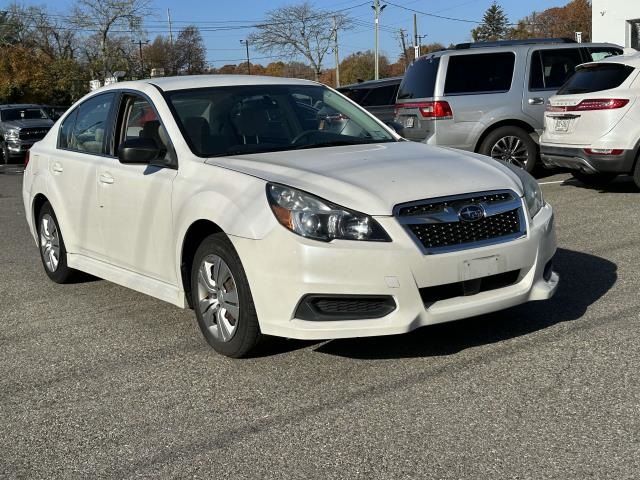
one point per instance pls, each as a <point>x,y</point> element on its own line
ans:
<point>636,172</point>
<point>222,298</point>
<point>594,179</point>
<point>4,152</point>
<point>52,250</point>
<point>511,144</point>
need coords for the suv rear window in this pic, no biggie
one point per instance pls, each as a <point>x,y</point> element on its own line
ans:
<point>597,77</point>
<point>479,73</point>
<point>420,79</point>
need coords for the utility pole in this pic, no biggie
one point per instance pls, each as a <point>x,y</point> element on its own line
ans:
<point>416,46</point>
<point>170,29</point>
<point>404,49</point>
<point>246,44</point>
<point>377,9</point>
<point>335,50</point>
<point>140,43</point>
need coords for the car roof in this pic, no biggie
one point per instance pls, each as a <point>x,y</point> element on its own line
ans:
<point>203,81</point>
<point>372,83</point>
<point>19,105</point>
<point>631,59</point>
<point>515,46</point>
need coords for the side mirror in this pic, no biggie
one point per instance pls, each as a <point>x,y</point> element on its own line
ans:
<point>138,150</point>
<point>398,128</point>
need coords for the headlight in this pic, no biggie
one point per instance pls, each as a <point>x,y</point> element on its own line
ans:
<point>12,135</point>
<point>313,217</point>
<point>532,192</point>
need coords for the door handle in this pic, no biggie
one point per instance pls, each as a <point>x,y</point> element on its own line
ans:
<point>536,101</point>
<point>106,178</point>
<point>57,167</point>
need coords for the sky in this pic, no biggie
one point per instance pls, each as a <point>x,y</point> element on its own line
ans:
<point>224,47</point>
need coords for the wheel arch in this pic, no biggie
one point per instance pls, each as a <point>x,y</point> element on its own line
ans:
<point>512,122</point>
<point>36,205</point>
<point>195,234</point>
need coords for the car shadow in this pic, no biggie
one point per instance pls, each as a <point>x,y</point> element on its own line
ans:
<point>622,184</point>
<point>584,279</point>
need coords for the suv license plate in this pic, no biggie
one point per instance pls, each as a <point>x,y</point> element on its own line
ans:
<point>562,124</point>
<point>408,122</point>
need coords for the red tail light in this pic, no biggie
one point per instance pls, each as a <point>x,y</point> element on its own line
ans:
<point>437,110</point>
<point>603,151</point>
<point>26,159</point>
<point>591,104</point>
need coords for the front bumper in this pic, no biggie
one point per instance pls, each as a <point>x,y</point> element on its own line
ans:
<point>577,159</point>
<point>283,268</point>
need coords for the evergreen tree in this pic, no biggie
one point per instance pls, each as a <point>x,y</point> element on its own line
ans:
<point>494,26</point>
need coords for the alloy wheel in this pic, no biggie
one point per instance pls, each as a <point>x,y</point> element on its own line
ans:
<point>49,242</point>
<point>510,149</point>
<point>218,300</point>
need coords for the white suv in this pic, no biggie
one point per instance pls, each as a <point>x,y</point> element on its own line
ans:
<point>592,125</point>
<point>279,207</point>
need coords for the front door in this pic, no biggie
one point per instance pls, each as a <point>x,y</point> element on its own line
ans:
<point>135,200</point>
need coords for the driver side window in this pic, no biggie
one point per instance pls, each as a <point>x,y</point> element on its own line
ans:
<point>84,129</point>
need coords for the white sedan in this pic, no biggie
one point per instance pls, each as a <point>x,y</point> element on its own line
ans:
<point>279,207</point>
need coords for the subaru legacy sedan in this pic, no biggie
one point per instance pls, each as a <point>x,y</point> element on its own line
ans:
<point>279,207</point>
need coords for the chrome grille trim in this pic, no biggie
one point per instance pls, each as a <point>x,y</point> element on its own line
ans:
<point>416,216</point>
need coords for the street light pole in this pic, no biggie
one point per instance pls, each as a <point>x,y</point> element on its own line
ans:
<point>246,44</point>
<point>377,9</point>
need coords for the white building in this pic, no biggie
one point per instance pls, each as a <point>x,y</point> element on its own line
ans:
<point>616,21</point>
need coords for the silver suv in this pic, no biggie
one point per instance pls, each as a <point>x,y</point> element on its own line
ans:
<point>489,97</point>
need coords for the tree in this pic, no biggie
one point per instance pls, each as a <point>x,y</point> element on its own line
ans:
<point>159,54</point>
<point>494,25</point>
<point>359,66</point>
<point>298,31</point>
<point>106,16</point>
<point>190,52</point>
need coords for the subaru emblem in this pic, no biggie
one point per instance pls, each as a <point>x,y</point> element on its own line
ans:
<point>471,213</point>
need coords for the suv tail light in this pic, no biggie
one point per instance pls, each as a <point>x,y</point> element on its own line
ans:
<point>591,104</point>
<point>603,151</point>
<point>26,159</point>
<point>437,110</point>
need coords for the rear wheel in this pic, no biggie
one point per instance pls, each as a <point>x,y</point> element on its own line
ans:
<point>52,250</point>
<point>222,298</point>
<point>594,179</point>
<point>511,144</point>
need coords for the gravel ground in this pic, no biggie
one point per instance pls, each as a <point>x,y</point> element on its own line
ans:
<point>97,381</point>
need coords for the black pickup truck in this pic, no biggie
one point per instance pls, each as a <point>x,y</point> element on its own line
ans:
<point>21,125</point>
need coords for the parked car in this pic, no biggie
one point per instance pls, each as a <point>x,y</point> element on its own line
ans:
<point>489,97</point>
<point>231,200</point>
<point>592,125</point>
<point>377,96</point>
<point>21,125</point>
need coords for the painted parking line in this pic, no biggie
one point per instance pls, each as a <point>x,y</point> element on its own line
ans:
<point>550,183</point>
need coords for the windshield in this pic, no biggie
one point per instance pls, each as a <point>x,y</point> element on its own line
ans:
<point>241,120</point>
<point>23,114</point>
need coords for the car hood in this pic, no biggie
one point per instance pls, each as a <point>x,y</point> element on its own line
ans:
<point>373,178</point>
<point>35,123</point>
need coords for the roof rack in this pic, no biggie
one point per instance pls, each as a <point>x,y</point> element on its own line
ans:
<point>507,43</point>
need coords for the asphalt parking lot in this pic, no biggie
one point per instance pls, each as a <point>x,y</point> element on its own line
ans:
<point>100,381</point>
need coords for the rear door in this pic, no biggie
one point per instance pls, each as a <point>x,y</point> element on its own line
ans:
<point>548,70</point>
<point>590,104</point>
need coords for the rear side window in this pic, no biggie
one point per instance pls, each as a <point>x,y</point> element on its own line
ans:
<point>597,77</point>
<point>479,73</point>
<point>551,68</point>
<point>598,53</point>
<point>420,79</point>
<point>385,95</point>
<point>355,94</point>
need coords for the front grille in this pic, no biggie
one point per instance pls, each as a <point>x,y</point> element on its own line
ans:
<point>431,295</point>
<point>344,307</point>
<point>33,133</point>
<point>436,235</point>
<point>444,224</point>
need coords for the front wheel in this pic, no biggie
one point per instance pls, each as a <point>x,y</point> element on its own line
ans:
<point>594,179</point>
<point>513,145</point>
<point>222,298</point>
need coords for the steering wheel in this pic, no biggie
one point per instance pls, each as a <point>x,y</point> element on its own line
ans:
<point>302,135</point>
